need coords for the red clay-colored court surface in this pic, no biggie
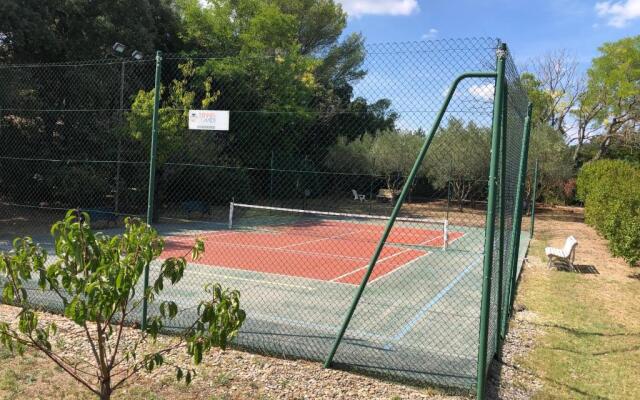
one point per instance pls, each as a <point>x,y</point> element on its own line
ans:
<point>330,251</point>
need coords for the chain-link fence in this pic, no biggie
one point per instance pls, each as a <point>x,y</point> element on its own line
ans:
<point>293,199</point>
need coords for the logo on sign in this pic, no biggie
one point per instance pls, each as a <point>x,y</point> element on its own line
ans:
<point>211,120</point>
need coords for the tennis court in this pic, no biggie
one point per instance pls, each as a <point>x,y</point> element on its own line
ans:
<point>312,185</point>
<point>297,272</point>
<point>320,249</point>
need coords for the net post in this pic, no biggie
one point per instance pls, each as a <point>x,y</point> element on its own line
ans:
<point>502,216</point>
<point>396,209</point>
<point>490,225</point>
<point>231,215</point>
<point>534,189</point>
<point>152,176</point>
<point>517,218</point>
<point>446,234</point>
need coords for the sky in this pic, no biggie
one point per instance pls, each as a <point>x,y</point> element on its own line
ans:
<point>530,28</point>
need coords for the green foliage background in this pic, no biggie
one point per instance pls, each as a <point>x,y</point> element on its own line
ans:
<point>610,190</point>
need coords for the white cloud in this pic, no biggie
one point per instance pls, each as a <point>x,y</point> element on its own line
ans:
<point>358,8</point>
<point>618,14</point>
<point>482,92</point>
<point>433,32</point>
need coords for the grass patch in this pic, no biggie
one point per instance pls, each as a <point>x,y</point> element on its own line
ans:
<point>590,348</point>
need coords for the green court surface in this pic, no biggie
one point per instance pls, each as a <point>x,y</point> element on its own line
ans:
<point>420,321</point>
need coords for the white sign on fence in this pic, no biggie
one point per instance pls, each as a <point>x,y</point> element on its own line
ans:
<point>209,120</point>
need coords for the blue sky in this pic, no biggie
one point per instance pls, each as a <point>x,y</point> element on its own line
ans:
<point>531,28</point>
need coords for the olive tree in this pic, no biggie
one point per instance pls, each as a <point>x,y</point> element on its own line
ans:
<point>95,277</point>
<point>390,154</point>
<point>459,156</point>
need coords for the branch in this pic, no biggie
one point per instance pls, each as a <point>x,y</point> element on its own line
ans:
<point>62,365</point>
<point>93,347</point>
<point>118,338</point>
<point>140,364</point>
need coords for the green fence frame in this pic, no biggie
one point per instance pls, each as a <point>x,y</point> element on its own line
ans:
<point>490,223</point>
<point>495,194</point>
<point>517,218</point>
<point>398,206</point>
<point>497,211</point>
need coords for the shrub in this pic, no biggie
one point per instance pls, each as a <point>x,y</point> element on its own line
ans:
<point>610,190</point>
<point>95,277</point>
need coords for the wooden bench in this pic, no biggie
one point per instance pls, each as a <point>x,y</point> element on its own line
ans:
<point>387,195</point>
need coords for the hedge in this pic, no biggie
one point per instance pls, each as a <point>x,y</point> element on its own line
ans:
<point>610,190</point>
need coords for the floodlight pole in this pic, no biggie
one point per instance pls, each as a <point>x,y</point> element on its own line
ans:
<point>117,199</point>
<point>490,224</point>
<point>152,175</point>
<point>397,207</point>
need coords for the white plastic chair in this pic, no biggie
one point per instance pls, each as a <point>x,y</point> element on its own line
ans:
<point>356,196</point>
<point>565,255</point>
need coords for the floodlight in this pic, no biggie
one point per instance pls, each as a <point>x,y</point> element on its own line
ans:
<point>137,55</point>
<point>118,47</point>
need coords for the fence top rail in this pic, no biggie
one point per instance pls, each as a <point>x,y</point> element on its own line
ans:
<point>374,48</point>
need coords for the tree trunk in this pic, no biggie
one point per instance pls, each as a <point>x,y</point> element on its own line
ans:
<point>602,149</point>
<point>576,152</point>
<point>105,389</point>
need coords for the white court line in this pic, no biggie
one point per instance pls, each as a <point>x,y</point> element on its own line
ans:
<point>387,258</point>
<point>410,262</point>
<point>309,253</point>
<point>399,268</point>
<point>316,240</point>
<point>458,238</point>
<point>230,269</point>
<point>201,234</point>
<point>261,281</point>
<point>352,334</point>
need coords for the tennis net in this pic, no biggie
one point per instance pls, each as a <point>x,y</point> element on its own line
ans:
<point>339,226</point>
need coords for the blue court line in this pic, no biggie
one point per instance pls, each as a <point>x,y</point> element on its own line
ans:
<point>425,309</point>
<point>353,334</point>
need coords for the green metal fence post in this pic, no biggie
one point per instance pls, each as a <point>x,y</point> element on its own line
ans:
<point>490,225</point>
<point>534,189</point>
<point>272,167</point>
<point>397,207</point>
<point>502,202</point>
<point>152,174</point>
<point>517,218</point>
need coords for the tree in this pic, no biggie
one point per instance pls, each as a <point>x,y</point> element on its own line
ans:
<point>556,166</point>
<point>459,156</point>
<point>557,75</point>
<point>95,277</point>
<point>614,88</point>
<point>584,113</point>
<point>541,100</point>
<point>390,154</point>
<point>62,30</point>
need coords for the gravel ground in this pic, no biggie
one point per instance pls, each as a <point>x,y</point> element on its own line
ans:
<point>234,374</point>
<point>230,374</point>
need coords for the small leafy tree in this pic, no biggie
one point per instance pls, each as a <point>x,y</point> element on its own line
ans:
<point>95,276</point>
<point>556,166</point>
